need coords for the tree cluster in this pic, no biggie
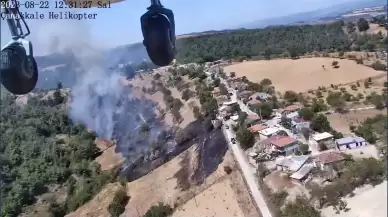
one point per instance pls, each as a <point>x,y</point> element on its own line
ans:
<point>282,41</point>
<point>33,156</point>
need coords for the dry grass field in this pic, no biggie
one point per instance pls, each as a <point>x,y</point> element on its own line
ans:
<point>302,74</point>
<point>377,86</point>
<point>368,202</point>
<point>219,195</point>
<point>341,122</point>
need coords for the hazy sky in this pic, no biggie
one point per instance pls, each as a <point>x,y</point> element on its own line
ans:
<point>120,24</point>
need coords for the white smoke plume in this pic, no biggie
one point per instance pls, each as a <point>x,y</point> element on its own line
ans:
<point>98,100</point>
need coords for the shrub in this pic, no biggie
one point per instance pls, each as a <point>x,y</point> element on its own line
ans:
<point>160,210</point>
<point>120,200</point>
<point>228,169</point>
<point>359,61</point>
<point>157,76</point>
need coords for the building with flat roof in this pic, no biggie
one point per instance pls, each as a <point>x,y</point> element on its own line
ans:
<point>322,137</point>
<point>230,103</point>
<point>349,143</point>
<point>268,132</point>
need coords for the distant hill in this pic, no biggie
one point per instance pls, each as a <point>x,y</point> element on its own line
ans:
<point>311,16</point>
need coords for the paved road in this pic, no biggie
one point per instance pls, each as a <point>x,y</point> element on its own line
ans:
<point>247,172</point>
<point>242,160</point>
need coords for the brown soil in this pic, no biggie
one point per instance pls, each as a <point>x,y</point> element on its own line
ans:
<point>302,74</point>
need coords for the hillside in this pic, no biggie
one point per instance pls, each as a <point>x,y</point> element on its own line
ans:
<point>157,118</point>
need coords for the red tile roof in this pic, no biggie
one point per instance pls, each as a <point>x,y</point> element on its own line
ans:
<point>257,127</point>
<point>254,102</point>
<point>290,108</point>
<point>253,117</point>
<point>329,157</point>
<point>279,141</point>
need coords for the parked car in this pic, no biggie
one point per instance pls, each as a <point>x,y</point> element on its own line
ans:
<point>233,140</point>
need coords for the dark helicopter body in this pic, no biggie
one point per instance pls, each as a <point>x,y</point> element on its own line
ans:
<point>19,71</point>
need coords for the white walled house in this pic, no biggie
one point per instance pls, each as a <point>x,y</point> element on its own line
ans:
<point>349,143</point>
<point>298,124</point>
<point>323,137</point>
<point>284,145</point>
<point>268,132</point>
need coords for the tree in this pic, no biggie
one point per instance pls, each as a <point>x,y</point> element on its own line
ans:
<point>197,113</point>
<point>320,123</point>
<point>306,113</point>
<point>290,96</point>
<point>241,117</point>
<point>223,89</point>
<point>266,82</point>
<point>318,107</point>
<point>306,133</point>
<point>304,148</point>
<point>157,76</point>
<point>362,25</point>
<point>294,52</point>
<point>300,208</point>
<point>120,200</point>
<point>245,137</point>
<point>377,100</point>
<point>267,54</point>
<point>187,94</point>
<point>160,210</point>
<point>264,110</point>
<point>285,122</point>
<point>335,100</point>
<point>351,27</point>
<point>216,82</point>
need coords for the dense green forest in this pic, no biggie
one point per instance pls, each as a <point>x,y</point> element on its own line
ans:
<point>283,41</point>
<point>41,148</point>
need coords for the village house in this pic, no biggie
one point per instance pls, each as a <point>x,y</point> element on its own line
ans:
<point>293,115</point>
<point>229,103</point>
<point>238,85</point>
<point>261,96</point>
<point>234,117</point>
<point>283,145</point>
<point>253,102</point>
<point>226,109</point>
<point>221,99</point>
<point>328,160</point>
<point>256,128</point>
<point>216,91</point>
<point>349,143</point>
<point>324,137</point>
<point>252,119</point>
<point>244,94</point>
<point>268,132</point>
<point>291,163</point>
<point>298,124</point>
<point>298,167</point>
<point>301,175</point>
<point>289,109</point>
